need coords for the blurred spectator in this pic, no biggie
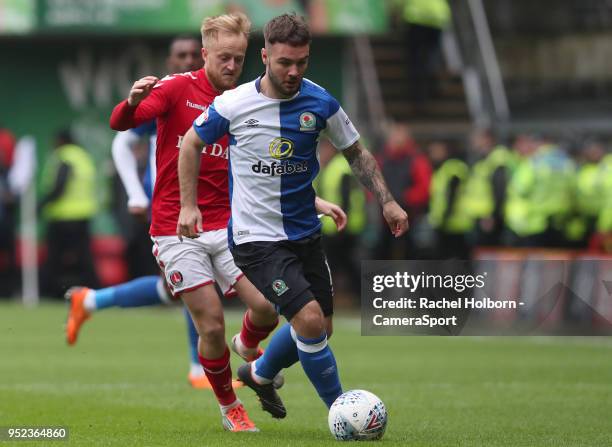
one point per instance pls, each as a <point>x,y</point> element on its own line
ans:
<point>425,20</point>
<point>602,240</point>
<point>8,272</point>
<point>68,204</point>
<point>487,185</point>
<point>448,213</point>
<point>408,174</point>
<point>337,184</point>
<point>588,197</point>
<point>540,194</point>
<point>524,145</point>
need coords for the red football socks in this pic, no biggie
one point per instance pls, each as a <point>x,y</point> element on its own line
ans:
<point>219,374</point>
<point>251,335</point>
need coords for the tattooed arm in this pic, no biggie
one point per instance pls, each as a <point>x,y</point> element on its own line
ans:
<point>365,168</point>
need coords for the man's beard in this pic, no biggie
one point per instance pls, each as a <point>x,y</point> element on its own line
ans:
<point>278,85</point>
<point>220,82</point>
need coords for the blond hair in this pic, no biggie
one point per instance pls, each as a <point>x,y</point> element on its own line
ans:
<point>234,23</point>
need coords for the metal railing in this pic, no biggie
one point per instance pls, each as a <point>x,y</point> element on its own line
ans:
<point>370,84</point>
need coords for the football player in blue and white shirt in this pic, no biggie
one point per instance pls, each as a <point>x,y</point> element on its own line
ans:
<point>274,124</point>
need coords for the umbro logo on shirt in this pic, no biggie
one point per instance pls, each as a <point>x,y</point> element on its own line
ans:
<point>252,122</point>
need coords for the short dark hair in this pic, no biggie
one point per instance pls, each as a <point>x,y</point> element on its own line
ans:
<point>182,37</point>
<point>287,28</point>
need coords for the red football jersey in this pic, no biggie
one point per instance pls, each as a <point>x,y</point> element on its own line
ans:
<point>176,101</point>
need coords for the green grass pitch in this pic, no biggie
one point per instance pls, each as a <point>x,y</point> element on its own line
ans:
<point>124,384</point>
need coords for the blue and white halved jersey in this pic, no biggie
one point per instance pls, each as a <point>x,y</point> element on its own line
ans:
<point>273,157</point>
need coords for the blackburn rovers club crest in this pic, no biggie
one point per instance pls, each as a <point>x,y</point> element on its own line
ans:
<point>279,286</point>
<point>176,278</point>
<point>307,122</point>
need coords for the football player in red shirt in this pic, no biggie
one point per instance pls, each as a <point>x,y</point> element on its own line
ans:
<point>185,54</point>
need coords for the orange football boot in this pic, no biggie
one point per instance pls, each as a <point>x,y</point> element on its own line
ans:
<point>77,314</point>
<point>236,419</point>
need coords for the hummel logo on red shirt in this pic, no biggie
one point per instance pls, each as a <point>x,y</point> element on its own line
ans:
<point>196,106</point>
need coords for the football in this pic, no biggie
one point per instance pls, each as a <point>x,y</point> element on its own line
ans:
<point>357,415</point>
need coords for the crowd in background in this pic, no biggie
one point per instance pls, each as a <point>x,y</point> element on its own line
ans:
<point>529,191</point>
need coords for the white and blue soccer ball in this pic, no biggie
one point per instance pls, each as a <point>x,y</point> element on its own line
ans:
<point>357,415</point>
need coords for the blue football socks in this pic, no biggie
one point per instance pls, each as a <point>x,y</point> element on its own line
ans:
<point>280,353</point>
<point>320,366</point>
<point>315,355</point>
<point>136,293</point>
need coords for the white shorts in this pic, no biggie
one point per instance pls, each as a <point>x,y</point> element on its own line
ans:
<point>195,263</point>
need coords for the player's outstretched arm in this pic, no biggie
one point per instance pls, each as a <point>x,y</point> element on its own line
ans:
<point>364,166</point>
<point>332,210</point>
<point>190,219</point>
<point>127,168</point>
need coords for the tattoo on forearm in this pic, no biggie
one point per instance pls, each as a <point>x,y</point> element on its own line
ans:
<point>364,166</point>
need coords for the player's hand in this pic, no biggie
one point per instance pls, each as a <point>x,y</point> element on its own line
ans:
<point>189,223</point>
<point>332,210</point>
<point>141,89</point>
<point>396,218</point>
